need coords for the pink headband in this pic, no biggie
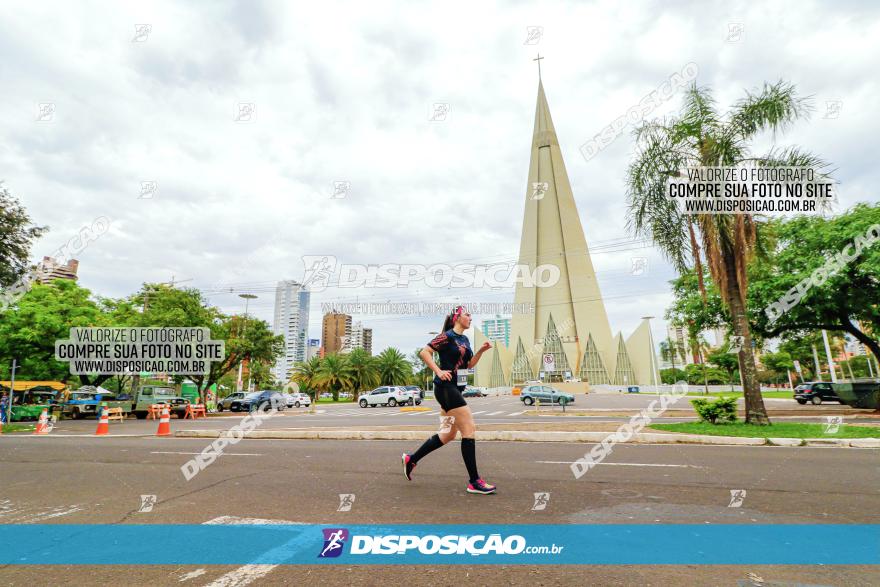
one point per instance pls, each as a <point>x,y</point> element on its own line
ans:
<point>457,312</point>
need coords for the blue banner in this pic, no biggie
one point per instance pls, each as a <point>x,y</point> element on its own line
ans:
<point>561,544</point>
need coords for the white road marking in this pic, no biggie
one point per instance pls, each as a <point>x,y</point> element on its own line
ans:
<point>517,413</point>
<point>226,454</point>
<point>27,515</point>
<point>495,413</point>
<point>232,520</point>
<point>192,575</point>
<point>624,464</point>
<point>249,573</point>
<point>480,412</point>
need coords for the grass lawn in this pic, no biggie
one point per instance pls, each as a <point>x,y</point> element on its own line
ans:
<point>773,394</point>
<point>18,428</point>
<point>330,401</point>
<point>778,430</point>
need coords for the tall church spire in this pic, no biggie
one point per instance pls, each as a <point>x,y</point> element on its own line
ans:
<point>552,235</point>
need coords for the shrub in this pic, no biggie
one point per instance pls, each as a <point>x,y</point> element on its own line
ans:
<point>721,410</point>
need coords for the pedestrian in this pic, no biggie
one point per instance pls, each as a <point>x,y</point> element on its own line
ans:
<point>450,379</point>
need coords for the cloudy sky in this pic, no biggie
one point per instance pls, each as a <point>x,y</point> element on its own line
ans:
<point>345,92</point>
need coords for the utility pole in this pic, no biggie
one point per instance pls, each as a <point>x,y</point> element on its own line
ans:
<point>653,358</point>
<point>247,298</point>
<point>828,356</point>
<point>816,361</point>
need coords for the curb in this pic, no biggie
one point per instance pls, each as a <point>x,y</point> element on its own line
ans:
<point>407,409</point>
<point>537,436</point>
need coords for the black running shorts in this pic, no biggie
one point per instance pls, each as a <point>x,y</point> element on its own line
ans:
<point>448,396</point>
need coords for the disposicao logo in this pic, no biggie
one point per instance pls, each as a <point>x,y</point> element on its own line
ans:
<point>334,540</point>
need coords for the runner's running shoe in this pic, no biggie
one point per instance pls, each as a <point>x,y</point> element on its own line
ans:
<point>408,466</point>
<point>480,486</point>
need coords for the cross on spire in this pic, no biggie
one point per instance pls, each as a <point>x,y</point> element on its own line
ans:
<point>538,59</point>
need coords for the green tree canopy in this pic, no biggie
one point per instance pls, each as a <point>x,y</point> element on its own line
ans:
<point>846,301</point>
<point>393,367</point>
<point>17,235</point>
<point>46,313</point>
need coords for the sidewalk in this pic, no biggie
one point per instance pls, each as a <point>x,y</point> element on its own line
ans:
<point>538,432</point>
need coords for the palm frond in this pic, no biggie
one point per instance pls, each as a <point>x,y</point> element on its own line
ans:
<point>652,214</point>
<point>775,107</point>
<point>797,157</point>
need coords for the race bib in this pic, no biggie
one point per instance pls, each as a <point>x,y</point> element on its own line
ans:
<point>462,378</point>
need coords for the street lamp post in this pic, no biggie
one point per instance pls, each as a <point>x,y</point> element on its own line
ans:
<point>247,298</point>
<point>651,345</point>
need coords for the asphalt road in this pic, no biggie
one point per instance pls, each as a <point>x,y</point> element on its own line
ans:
<point>101,480</point>
<point>488,410</point>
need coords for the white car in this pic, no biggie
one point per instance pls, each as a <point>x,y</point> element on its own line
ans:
<point>295,400</point>
<point>388,395</point>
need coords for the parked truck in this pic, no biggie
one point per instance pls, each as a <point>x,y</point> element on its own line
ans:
<point>87,401</point>
<point>148,395</point>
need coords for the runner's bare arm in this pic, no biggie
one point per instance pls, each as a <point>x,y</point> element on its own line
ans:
<point>427,355</point>
<point>476,358</point>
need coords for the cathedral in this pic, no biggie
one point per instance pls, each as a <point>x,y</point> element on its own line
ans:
<point>568,337</point>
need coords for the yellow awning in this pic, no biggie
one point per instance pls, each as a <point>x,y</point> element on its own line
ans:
<point>25,385</point>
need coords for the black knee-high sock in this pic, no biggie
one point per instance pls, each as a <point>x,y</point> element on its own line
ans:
<point>429,445</point>
<point>469,454</point>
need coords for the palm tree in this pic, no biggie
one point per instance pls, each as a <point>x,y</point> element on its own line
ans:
<point>669,349</point>
<point>421,373</point>
<point>334,374</point>
<point>727,242</point>
<point>394,369</point>
<point>306,374</point>
<point>364,371</point>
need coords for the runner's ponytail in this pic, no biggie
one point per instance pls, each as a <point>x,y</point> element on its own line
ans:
<point>449,322</point>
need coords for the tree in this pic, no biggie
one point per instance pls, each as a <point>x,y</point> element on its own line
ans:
<point>846,302</point>
<point>671,376</point>
<point>364,370</point>
<point>16,238</point>
<point>779,364</point>
<point>670,349</point>
<point>858,367</point>
<point>723,359</point>
<point>696,374</point>
<point>305,375</point>
<point>393,367</point>
<point>334,375</point>
<point>728,243</point>
<point>245,338</point>
<point>800,348</point>
<point>261,374</point>
<point>158,305</point>
<point>803,247</point>
<point>46,313</point>
<point>421,372</point>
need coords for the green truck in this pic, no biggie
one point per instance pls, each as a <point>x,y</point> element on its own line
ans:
<point>148,395</point>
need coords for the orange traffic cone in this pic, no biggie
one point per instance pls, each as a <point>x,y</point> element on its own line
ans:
<point>43,424</point>
<point>164,423</point>
<point>103,424</point>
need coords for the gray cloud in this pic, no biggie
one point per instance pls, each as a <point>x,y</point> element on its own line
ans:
<point>343,93</point>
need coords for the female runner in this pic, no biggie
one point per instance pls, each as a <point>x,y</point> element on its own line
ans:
<point>450,379</point>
